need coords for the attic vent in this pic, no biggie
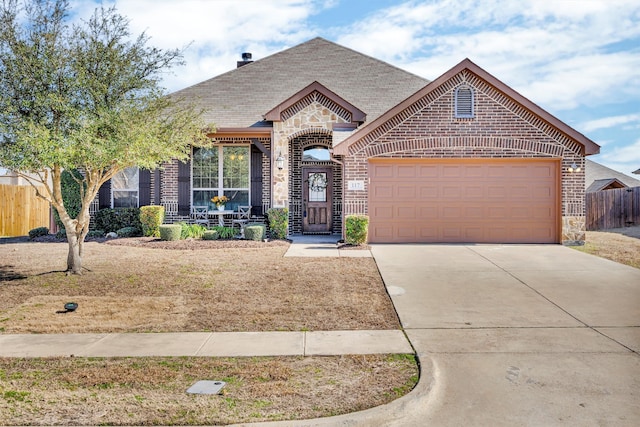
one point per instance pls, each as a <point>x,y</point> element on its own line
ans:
<point>464,102</point>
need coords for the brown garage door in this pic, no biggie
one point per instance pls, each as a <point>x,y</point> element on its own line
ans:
<point>464,201</point>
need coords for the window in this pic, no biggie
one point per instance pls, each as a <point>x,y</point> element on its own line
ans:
<point>464,102</point>
<point>316,154</point>
<point>222,170</point>
<point>125,187</point>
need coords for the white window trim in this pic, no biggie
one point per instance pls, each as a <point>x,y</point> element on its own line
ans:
<point>137,191</point>
<point>221,189</point>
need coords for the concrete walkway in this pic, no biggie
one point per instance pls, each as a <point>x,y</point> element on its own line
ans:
<point>322,246</point>
<point>217,344</point>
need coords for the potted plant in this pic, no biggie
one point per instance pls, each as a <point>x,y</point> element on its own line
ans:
<point>220,202</point>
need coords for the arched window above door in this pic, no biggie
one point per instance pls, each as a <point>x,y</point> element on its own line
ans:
<point>316,153</point>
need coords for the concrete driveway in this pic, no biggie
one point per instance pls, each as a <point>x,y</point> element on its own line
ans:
<point>533,335</point>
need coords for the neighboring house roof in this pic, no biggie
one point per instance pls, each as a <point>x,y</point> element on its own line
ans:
<point>605,184</point>
<point>590,147</point>
<point>637,172</point>
<point>240,98</point>
<point>597,176</point>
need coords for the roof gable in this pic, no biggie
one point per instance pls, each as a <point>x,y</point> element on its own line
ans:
<point>316,92</point>
<point>240,97</point>
<point>589,147</point>
<point>605,184</point>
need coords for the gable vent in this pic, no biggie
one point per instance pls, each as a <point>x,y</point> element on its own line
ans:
<point>464,102</point>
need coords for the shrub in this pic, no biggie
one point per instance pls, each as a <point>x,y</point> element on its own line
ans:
<point>70,186</point>
<point>61,234</point>
<point>114,219</point>
<point>37,232</point>
<point>128,232</point>
<point>255,232</point>
<point>356,227</point>
<point>210,235</point>
<point>151,218</point>
<point>95,233</point>
<point>225,233</point>
<point>191,231</point>
<point>170,232</point>
<point>278,222</point>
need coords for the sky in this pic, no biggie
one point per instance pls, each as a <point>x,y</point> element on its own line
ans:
<point>577,59</point>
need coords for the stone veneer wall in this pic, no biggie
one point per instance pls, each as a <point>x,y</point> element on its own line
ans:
<point>500,129</point>
<point>312,115</point>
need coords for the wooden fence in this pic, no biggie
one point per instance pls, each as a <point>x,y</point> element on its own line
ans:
<point>21,210</point>
<point>613,208</point>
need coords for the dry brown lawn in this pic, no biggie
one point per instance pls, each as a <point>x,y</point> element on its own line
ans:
<point>152,391</point>
<point>138,285</point>
<point>619,244</point>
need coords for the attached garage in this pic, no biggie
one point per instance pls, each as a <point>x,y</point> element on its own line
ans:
<point>464,200</point>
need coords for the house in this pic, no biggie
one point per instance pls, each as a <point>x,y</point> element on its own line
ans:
<point>328,132</point>
<point>599,177</point>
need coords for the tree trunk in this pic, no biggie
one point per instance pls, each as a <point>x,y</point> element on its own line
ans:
<point>74,258</point>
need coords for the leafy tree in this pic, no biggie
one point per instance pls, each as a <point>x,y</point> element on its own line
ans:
<point>84,96</point>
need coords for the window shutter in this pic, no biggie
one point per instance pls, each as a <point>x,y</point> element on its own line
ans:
<point>156,186</point>
<point>464,102</point>
<point>184,187</point>
<point>144,186</point>
<point>104,195</point>
<point>256,181</point>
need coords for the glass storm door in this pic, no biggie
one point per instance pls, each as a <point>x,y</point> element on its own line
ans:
<point>316,189</point>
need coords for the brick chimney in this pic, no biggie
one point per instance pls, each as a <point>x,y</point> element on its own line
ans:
<point>246,59</point>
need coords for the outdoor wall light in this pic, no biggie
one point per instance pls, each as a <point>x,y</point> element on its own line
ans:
<point>280,161</point>
<point>574,168</point>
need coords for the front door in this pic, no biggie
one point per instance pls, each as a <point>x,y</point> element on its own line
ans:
<point>316,199</point>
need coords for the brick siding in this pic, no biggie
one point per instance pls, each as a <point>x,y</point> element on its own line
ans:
<point>501,128</point>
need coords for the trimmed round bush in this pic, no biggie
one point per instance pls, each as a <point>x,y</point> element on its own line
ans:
<point>256,232</point>
<point>210,235</point>
<point>170,232</point>
<point>356,229</point>
<point>37,232</point>
<point>128,232</point>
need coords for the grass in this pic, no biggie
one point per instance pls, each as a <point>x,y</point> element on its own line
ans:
<point>620,245</point>
<point>146,289</point>
<point>192,286</point>
<point>152,391</point>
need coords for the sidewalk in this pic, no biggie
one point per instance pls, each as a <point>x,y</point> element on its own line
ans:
<point>210,344</point>
<point>322,246</point>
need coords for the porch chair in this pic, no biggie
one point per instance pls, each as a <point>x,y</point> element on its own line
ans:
<point>242,218</point>
<point>200,215</point>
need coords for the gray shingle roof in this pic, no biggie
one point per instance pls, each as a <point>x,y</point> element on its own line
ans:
<point>240,98</point>
<point>596,172</point>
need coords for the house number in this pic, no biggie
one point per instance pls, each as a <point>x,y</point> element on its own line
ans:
<point>355,185</point>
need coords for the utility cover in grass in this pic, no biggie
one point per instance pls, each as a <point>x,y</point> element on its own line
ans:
<point>206,387</point>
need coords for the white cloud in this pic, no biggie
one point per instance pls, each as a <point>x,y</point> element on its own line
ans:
<point>608,122</point>
<point>558,54</point>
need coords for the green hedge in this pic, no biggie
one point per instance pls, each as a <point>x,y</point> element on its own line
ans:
<point>278,222</point>
<point>114,219</point>
<point>37,232</point>
<point>210,235</point>
<point>356,229</point>
<point>151,218</point>
<point>128,232</point>
<point>256,232</point>
<point>170,232</point>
